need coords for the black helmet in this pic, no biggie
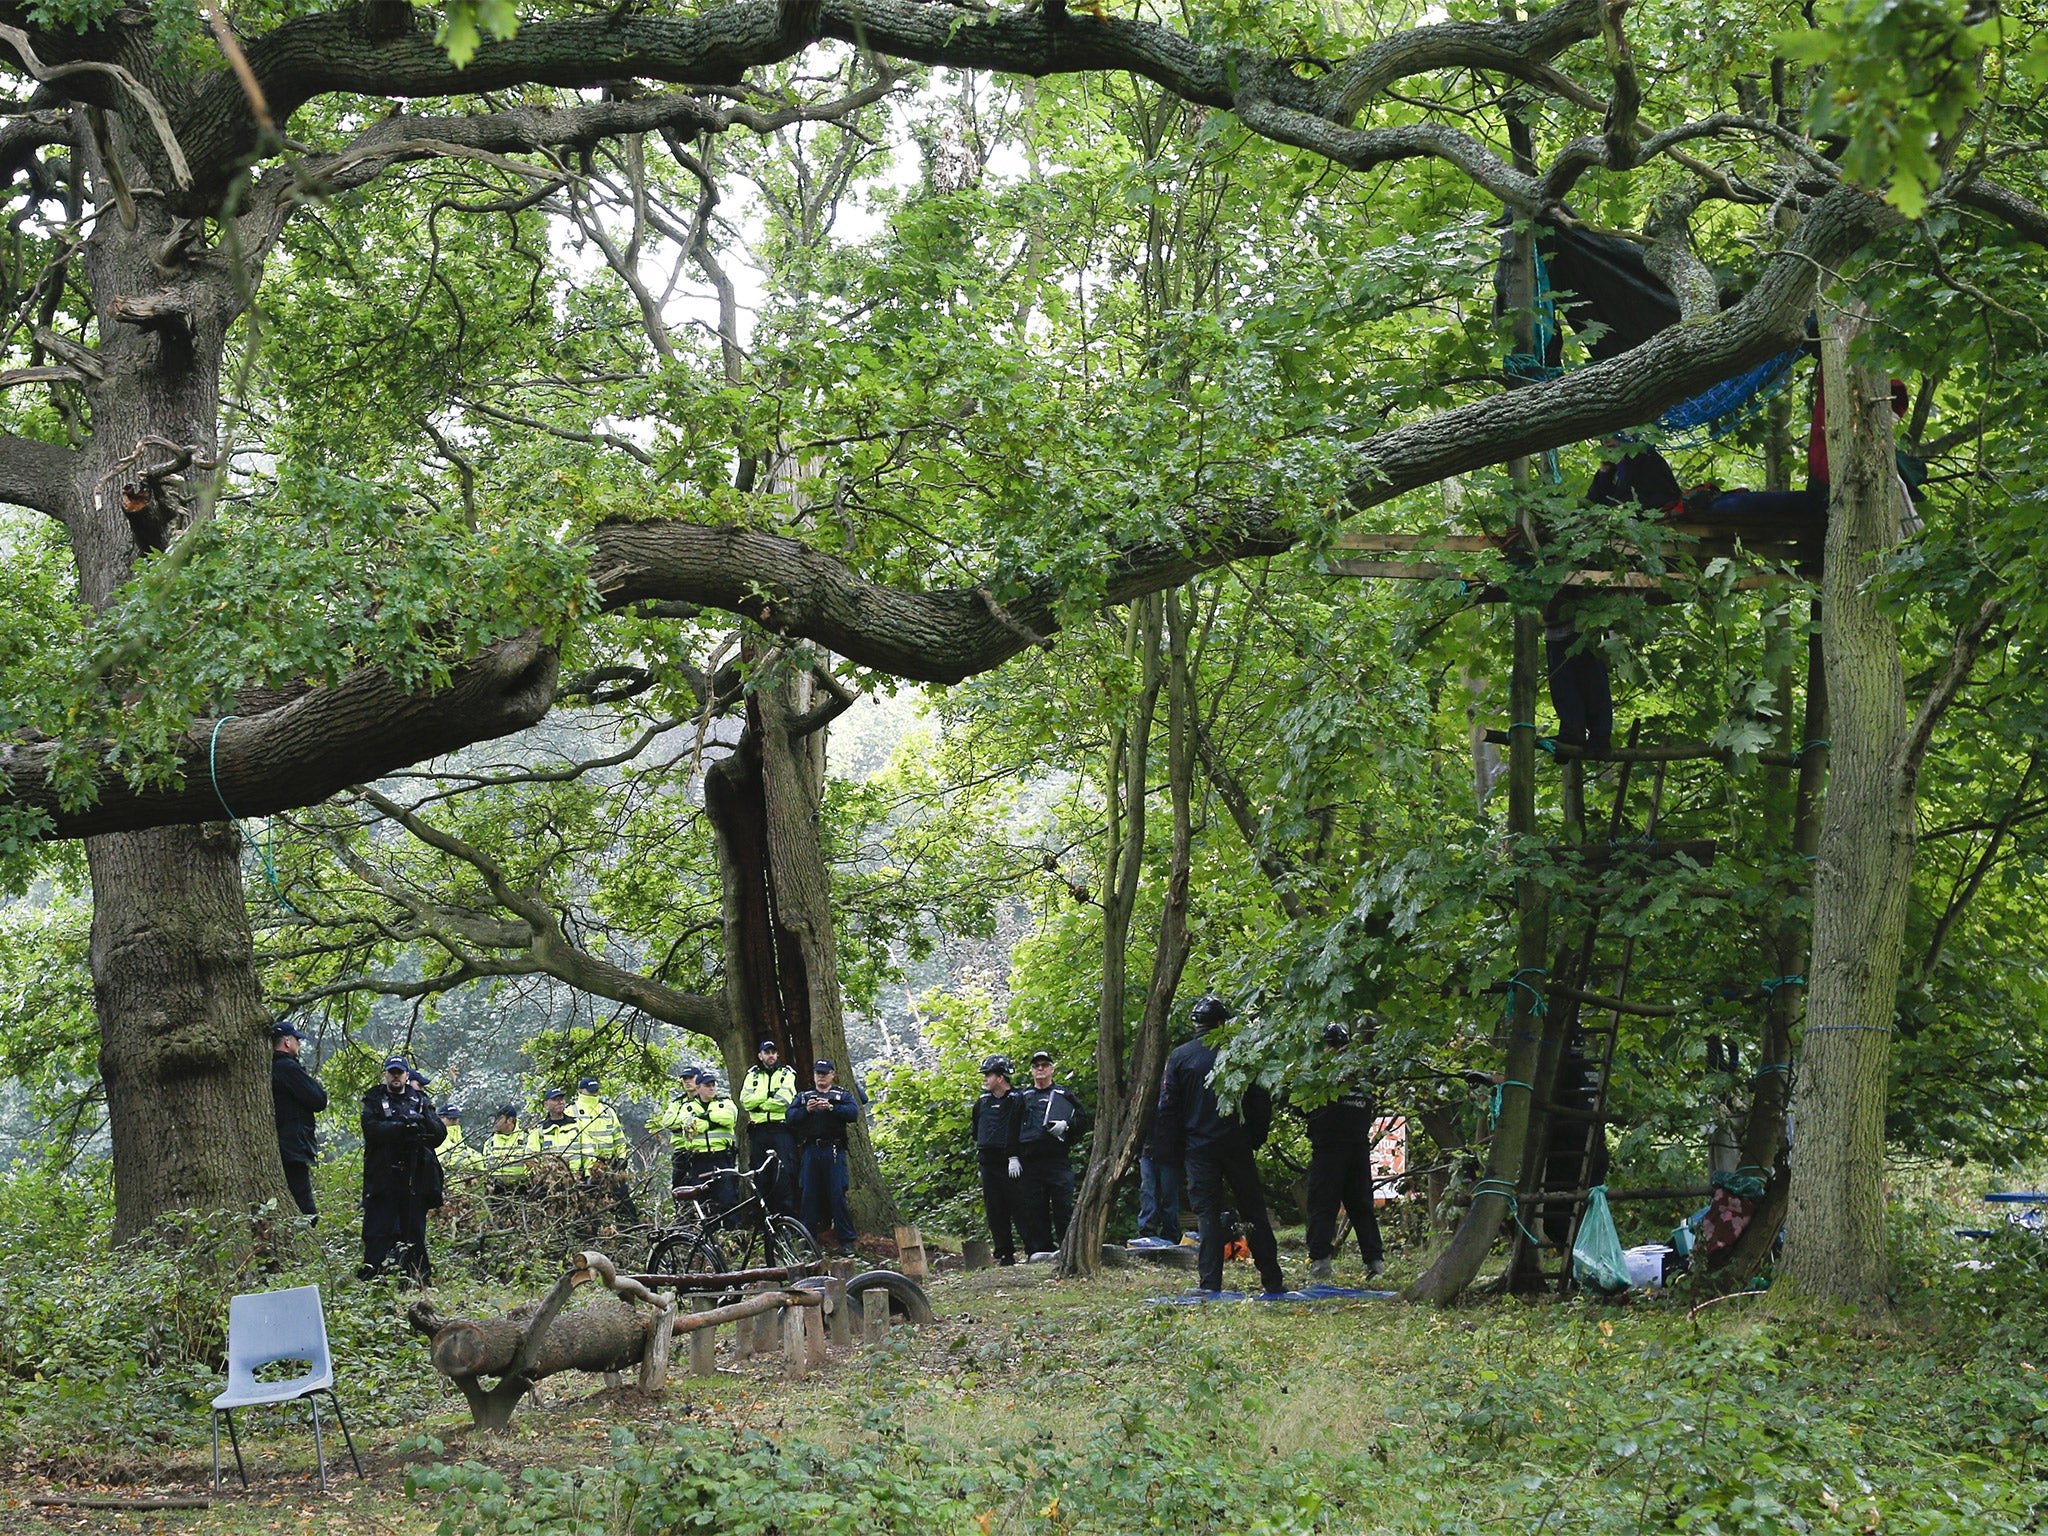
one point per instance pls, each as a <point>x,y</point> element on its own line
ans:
<point>1209,1009</point>
<point>996,1066</point>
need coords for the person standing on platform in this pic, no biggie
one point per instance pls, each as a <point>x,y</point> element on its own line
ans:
<point>1218,1151</point>
<point>295,1098</point>
<point>765,1096</point>
<point>995,1125</point>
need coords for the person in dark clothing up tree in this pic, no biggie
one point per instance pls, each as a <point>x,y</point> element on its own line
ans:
<point>296,1097</point>
<point>1340,1138</point>
<point>1217,1151</point>
<point>401,1175</point>
<point>1581,688</point>
<point>1048,1121</point>
<point>995,1123</point>
<point>819,1117</point>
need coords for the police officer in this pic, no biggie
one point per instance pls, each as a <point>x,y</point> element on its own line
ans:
<point>819,1118</point>
<point>559,1133</point>
<point>457,1155</point>
<point>1340,1172</point>
<point>295,1097</point>
<point>765,1095</point>
<point>1049,1119</point>
<point>400,1174</point>
<point>995,1121</point>
<point>1217,1151</point>
<point>708,1129</point>
<point>606,1170</point>
<point>505,1153</point>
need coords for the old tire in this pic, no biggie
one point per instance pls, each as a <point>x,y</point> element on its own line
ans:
<point>907,1300</point>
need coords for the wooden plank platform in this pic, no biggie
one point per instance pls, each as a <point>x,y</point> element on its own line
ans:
<point>1486,591</point>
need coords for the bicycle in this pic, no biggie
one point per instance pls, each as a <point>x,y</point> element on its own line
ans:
<point>744,1236</point>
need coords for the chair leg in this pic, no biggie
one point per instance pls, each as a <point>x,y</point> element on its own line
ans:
<point>319,1450</point>
<point>235,1440</point>
<point>216,1450</point>
<point>347,1438</point>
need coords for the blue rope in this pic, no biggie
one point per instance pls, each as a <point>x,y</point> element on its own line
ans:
<point>1771,985</point>
<point>1765,1071</point>
<point>1875,1029</point>
<point>263,847</point>
<point>1543,743</point>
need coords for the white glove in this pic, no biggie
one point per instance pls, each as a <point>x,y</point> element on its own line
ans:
<point>1059,1129</point>
<point>1016,1169</point>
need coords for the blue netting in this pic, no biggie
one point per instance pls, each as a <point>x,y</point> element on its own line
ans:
<point>1546,338</point>
<point>1715,412</point>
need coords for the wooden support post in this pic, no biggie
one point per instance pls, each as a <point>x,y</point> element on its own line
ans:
<point>704,1342</point>
<point>795,1346</point>
<point>841,1320</point>
<point>910,1253</point>
<point>875,1317</point>
<point>814,1337</point>
<point>760,1336</point>
<point>654,1363</point>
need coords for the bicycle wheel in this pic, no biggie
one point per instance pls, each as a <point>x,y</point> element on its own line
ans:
<point>790,1242</point>
<point>685,1253</point>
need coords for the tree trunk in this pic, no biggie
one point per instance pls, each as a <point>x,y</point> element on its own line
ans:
<point>184,1038</point>
<point>792,789</point>
<point>1835,1239</point>
<point>183,1044</point>
<point>606,1335</point>
<point>1763,1133</point>
<point>1461,1259</point>
<point>1128,1090</point>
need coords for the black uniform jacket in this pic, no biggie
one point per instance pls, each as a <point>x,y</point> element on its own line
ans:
<point>1189,1120</point>
<point>996,1124</point>
<point>400,1132</point>
<point>296,1097</point>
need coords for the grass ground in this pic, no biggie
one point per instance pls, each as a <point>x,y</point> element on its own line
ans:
<point>1078,1407</point>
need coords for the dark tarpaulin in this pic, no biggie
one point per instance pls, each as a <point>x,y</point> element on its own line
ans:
<point>1597,279</point>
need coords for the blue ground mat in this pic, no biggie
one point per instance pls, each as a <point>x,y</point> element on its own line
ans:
<point>1306,1293</point>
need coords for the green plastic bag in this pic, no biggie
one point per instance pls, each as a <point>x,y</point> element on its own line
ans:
<point>1597,1262</point>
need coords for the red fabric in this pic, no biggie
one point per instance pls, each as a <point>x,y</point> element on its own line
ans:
<point>1726,1217</point>
<point>1817,428</point>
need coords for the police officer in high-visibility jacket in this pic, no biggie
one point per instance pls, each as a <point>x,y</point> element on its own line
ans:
<point>558,1133</point>
<point>505,1152</point>
<point>457,1155</point>
<point>765,1096</point>
<point>709,1130</point>
<point>820,1117</point>
<point>669,1120</point>
<point>608,1173</point>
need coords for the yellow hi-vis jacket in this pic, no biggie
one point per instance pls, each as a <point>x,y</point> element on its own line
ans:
<point>604,1132</point>
<point>458,1155</point>
<point>706,1125</point>
<point>766,1096</point>
<point>566,1138</point>
<point>505,1155</point>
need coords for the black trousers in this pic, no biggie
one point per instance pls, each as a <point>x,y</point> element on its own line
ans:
<point>298,1177</point>
<point>1045,1201</point>
<point>1340,1173</point>
<point>1228,1170</point>
<point>779,1184</point>
<point>1581,694</point>
<point>395,1227</point>
<point>998,1200</point>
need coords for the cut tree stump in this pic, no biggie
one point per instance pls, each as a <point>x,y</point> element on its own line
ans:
<point>795,1348</point>
<point>875,1317</point>
<point>838,1315</point>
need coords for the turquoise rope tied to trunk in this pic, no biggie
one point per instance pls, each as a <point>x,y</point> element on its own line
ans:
<point>1538,1005</point>
<point>1771,984</point>
<point>263,846</point>
<point>1494,1112</point>
<point>1506,1191</point>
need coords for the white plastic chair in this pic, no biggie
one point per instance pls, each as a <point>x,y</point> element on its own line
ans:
<point>263,1328</point>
